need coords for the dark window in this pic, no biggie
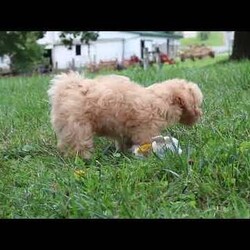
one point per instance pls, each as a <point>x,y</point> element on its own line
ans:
<point>142,47</point>
<point>48,55</point>
<point>78,49</point>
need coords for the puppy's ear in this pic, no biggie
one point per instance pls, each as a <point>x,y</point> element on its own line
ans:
<point>190,113</point>
<point>178,100</point>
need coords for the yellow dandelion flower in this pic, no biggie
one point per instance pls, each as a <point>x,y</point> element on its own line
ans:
<point>145,148</point>
<point>79,173</point>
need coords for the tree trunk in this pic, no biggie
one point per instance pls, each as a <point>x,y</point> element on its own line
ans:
<point>241,46</point>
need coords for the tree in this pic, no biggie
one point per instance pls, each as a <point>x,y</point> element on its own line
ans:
<point>241,48</point>
<point>204,35</point>
<point>85,37</point>
<point>22,48</point>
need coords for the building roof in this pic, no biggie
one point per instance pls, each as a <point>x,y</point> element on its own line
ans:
<point>52,37</point>
<point>165,34</point>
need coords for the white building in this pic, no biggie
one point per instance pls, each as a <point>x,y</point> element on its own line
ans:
<point>189,34</point>
<point>110,45</point>
<point>4,64</point>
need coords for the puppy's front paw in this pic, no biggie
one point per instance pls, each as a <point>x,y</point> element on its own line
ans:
<point>141,151</point>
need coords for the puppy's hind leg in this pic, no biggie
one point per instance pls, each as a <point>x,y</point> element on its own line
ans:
<point>123,144</point>
<point>78,137</point>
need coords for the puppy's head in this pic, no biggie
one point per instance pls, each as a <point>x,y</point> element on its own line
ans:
<point>188,97</point>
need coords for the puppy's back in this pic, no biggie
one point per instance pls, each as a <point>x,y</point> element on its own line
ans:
<point>62,82</point>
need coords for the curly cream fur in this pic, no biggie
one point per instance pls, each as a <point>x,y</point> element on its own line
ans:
<point>118,108</point>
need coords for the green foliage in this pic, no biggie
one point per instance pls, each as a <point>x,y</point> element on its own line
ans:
<point>214,39</point>
<point>22,48</point>
<point>37,182</point>
<point>84,36</point>
<point>204,35</point>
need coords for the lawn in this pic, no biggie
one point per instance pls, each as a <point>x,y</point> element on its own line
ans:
<point>215,39</point>
<point>37,182</point>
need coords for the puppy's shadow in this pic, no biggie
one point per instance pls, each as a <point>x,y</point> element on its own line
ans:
<point>110,149</point>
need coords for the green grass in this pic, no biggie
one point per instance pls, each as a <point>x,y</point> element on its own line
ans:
<point>37,182</point>
<point>215,39</point>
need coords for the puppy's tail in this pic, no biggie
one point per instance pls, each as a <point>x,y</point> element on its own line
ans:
<point>62,81</point>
